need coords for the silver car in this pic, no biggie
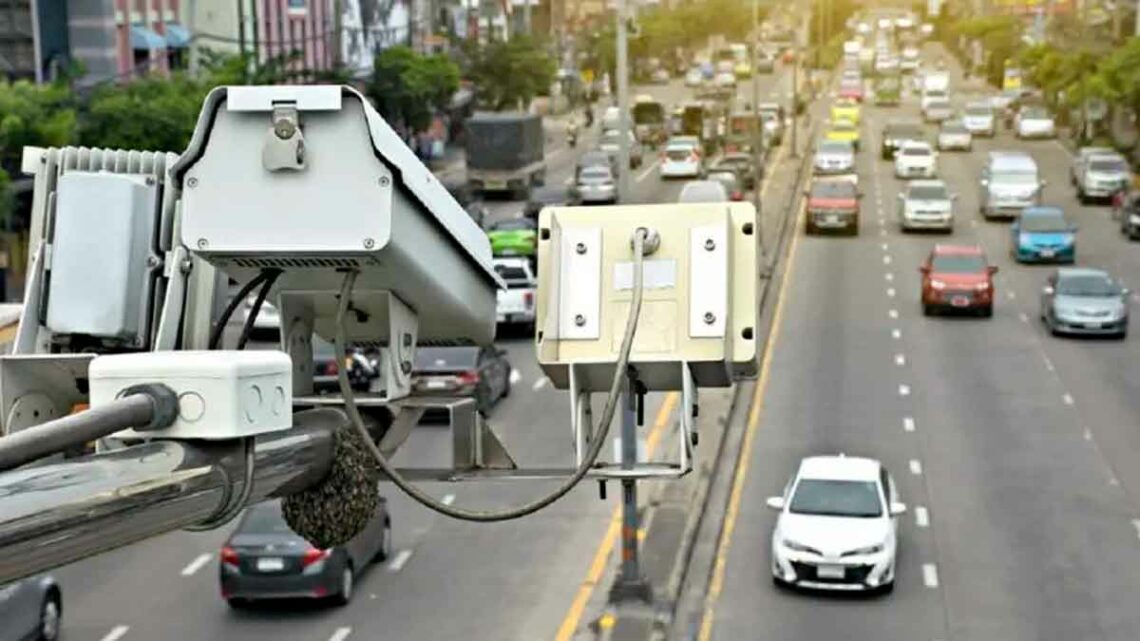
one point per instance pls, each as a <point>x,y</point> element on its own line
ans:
<point>978,118</point>
<point>926,204</point>
<point>596,185</point>
<point>30,609</point>
<point>610,143</point>
<point>953,134</point>
<point>834,157</point>
<point>1101,176</point>
<point>1084,301</point>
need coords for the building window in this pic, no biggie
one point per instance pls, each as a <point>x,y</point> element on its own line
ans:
<point>142,60</point>
<point>297,8</point>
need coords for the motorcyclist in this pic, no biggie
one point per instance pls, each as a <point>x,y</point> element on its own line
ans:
<point>589,116</point>
<point>572,131</point>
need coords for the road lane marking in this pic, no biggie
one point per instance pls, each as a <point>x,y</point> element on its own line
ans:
<point>1067,398</point>
<point>894,313</point>
<point>1136,524</point>
<point>594,574</point>
<point>515,376</point>
<point>973,223</point>
<point>116,633</point>
<point>908,424</point>
<point>889,276</point>
<point>916,467</point>
<point>1011,294</point>
<point>896,334</point>
<point>886,246</point>
<point>904,390</point>
<point>196,564</point>
<point>448,499</point>
<point>1048,363</point>
<point>725,543</point>
<point>540,383</point>
<point>886,260</point>
<point>400,561</point>
<point>921,516</point>
<point>900,359</point>
<point>341,634</point>
<point>930,575</point>
<point>1024,317</point>
<point>648,170</point>
<point>1087,434</point>
<point>891,292</point>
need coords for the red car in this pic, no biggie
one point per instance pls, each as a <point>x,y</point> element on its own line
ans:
<point>832,203</point>
<point>852,89</point>
<point>957,277</point>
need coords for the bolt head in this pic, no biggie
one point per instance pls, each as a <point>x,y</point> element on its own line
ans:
<point>710,318</point>
<point>710,244</point>
<point>369,243</point>
<point>579,320</point>
<point>284,129</point>
<point>192,182</point>
<point>384,181</point>
<point>203,243</point>
<point>580,248</point>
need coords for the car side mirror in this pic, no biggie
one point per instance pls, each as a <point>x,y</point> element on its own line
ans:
<point>1047,290</point>
<point>776,502</point>
<point>993,269</point>
<point>898,508</point>
<point>924,270</point>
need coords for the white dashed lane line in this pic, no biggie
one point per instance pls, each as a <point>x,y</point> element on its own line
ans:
<point>889,276</point>
<point>540,383</point>
<point>196,564</point>
<point>1067,398</point>
<point>908,424</point>
<point>1024,317</point>
<point>900,359</point>
<point>400,560</point>
<point>916,467</point>
<point>904,390</point>
<point>1011,294</point>
<point>648,170</point>
<point>515,376</point>
<point>921,516</point>
<point>896,334</point>
<point>116,633</point>
<point>886,260</point>
<point>340,634</point>
<point>930,575</point>
<point>886,246</point>
<point>891,292</point>
<point>894,313</point>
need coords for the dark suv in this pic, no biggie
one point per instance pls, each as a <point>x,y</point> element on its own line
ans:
<point>897,133</point>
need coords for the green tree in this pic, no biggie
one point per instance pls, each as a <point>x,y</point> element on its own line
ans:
<point>31,115</point>
<point>152,113</point>
<point>405,87</point>
<point>509,74</point>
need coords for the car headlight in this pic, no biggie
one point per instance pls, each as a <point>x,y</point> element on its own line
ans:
<point>798,547</point>
<point>937,284</point>
<point>1023,239</point>
<point>981,287</point>
<point>870,549</point>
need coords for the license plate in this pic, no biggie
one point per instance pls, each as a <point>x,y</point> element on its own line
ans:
<point>960,301</point>
<point>436,385</point>
<point>495,184</point>
<point>1047,253</point>
<point>270,564</point>
<point>1094,325</point>
<point>830,572</point>
<point>832,218</point>
<point>508,252</point>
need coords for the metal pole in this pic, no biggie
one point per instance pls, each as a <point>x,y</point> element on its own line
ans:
<point>241,26</point>
<point>623,102</point>
<point>761,148</point>
<point>631,585</point>
<point>51,515</point>
<point>795,96</point>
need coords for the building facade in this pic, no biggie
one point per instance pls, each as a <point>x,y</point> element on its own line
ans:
<point>119,39</point>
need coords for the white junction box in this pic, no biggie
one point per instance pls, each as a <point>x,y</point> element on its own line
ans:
<point>221,394</point>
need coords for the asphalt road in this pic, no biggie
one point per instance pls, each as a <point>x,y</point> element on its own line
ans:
<point>447,579</point>
<point>1013,449</point>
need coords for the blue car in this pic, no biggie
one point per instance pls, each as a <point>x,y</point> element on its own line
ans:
<point>1043,235</point>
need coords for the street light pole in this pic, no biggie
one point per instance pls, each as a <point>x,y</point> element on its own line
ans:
<point>761,147</point>
<point>623,101</point>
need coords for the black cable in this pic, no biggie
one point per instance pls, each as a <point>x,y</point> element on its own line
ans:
<point>267,284</point>
<point>220,326</point>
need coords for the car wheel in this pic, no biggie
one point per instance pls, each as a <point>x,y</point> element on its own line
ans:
<point>507,386</point>
<point>1081,197</point>
<point>385,551</point>
<point>237,603</point>
<point>347,579</point>
<point>927,309</point>
<point>50,614</point>
<point>886,588</point>
<point>988,311</point>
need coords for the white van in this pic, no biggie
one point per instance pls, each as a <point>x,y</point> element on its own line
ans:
<point>1010,182</point>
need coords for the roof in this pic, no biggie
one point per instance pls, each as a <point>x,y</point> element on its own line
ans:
<point>840,468</point>
<point>1064,272</point>
<point>958,250</point>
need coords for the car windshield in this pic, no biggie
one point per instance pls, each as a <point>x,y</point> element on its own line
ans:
<point>835,147</point>
<point>833,189</point>
<point>514,224</point>
<point>1112,165</point>
<point>445,359</point>
<point>859,499</point>
<point>1035,113</point>
<point>1044,222</point>
<point>595,174</point>
<point>1092,285</point>
<point>927,192</point>
<point>264,518</point>
<point>958,263</point>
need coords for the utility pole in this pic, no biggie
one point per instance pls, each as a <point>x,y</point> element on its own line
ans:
<point>630,584</point>
<point>623,101</point>
<point>526,16</point>
<point>796,49</point>
<point>338,34</point>
<point>760,148</point>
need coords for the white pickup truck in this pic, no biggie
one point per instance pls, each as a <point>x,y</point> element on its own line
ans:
<point>516,304</point>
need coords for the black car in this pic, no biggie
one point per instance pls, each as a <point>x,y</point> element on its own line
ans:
<point>743,165</point>
<point>897,133</point>
<point>483,373</point>
<point>264,559</point>
<point>542,197</point>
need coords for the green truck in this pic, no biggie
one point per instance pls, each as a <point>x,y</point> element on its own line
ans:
<point>888,91</point>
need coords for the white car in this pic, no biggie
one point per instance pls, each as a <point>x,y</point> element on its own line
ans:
<point>937,110</point>
<point>978,118</point>
<point>916,160</point>
<point>926,204</point>
<point>953,134</point>
<point>910,59</point>
<point>703,191</point>
<point>725,79</point>
<point>681,160</point>
<point>515,304</point>
<point>1035,122</point>
<point>694,78</point>
<point>838,526</point>
<point>834,157</point>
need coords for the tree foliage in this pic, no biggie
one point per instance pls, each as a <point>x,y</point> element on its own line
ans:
<point>509,74</point>
<point>152,113</point>
<point>406,87</point>
<point>35,115</point>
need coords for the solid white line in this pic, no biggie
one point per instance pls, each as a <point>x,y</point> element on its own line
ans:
<point>648,170</point>
<point>540,383</point>
<point>900,360</point>
<point>896,334</point>
<point>915,467</point>
<point>908,424</point>
<point>1136,524</point>
<point>341,634</point>
<point>401,559</point>
<point>886,246</point>
<point>904,390</point>
<point>894,313</point>
<point>515,376</point>
<point>448,499</point>
<point>886,260</point>
<point>1067,399</point>
<point>930,575</point>
<point>921,516</point>
<point>116,633</point>
<point>1024,317</point>
<point>1048,364</point>
<point>196,564</point>
<point>891,292</point>
<point>889,276</point>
